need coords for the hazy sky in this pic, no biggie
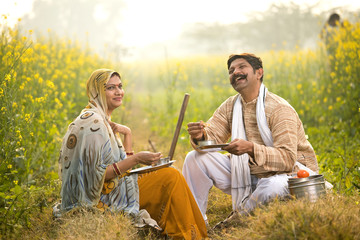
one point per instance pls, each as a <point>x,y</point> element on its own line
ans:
<point>144,20</point>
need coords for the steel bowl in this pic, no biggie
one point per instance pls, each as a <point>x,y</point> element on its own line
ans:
<point>206,143</point>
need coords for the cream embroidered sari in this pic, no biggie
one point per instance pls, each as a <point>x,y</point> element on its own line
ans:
<point>89,146</point>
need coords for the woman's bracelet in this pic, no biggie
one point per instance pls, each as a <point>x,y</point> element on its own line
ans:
<point>116,168</point>
<point>129,153</point>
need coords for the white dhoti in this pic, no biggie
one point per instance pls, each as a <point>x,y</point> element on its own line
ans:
<point>203,170</point>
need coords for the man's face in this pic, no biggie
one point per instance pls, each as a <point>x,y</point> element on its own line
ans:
<point>242,76</point>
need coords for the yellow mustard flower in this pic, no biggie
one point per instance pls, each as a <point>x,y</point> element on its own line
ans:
<point>58,103</point>
<point>50,84</point>
<point>27,117</point>
<point>7,77</point>
<point>40,99</point>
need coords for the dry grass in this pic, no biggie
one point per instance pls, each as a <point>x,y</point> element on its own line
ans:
<point>85,224</point>
<point>331,217</point>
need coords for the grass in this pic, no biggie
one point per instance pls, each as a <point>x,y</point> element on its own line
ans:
<point>42,89</point>
<point>331,217</point>
<point>80,225</point>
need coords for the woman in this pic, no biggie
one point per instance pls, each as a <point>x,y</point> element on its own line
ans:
<point>94,167</point>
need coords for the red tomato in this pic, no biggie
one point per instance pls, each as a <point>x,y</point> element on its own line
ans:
<point>302,173</point>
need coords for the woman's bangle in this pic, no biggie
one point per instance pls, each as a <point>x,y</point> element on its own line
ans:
<point>116,168</point>
<point>129,153</point>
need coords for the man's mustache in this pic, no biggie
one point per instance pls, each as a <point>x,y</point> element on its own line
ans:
<point>241,76</point>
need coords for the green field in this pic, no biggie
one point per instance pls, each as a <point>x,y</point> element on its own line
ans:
<point>42,88</point>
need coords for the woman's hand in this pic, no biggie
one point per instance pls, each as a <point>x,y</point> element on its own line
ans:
<point>147,158</point>
<point>122,129</point>
<point>126,132</point>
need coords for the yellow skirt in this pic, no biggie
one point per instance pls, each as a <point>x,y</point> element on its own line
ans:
<point>166,196</point>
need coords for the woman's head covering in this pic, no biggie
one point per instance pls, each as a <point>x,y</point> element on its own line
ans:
<point>95,88</point>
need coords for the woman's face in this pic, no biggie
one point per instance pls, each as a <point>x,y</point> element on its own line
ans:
<point>114,93</point>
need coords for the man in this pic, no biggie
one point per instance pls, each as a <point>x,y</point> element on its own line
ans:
<point>268,143</point>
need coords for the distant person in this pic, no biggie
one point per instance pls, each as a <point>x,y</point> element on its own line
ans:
<point>268,143</point>
<point>94,167</point>
<point>328,32</point>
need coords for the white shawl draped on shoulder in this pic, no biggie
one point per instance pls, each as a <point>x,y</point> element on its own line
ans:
<point>240,171</point>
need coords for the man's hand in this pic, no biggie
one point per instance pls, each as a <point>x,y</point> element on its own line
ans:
<point>196,130</point>
<point>239,147</point>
